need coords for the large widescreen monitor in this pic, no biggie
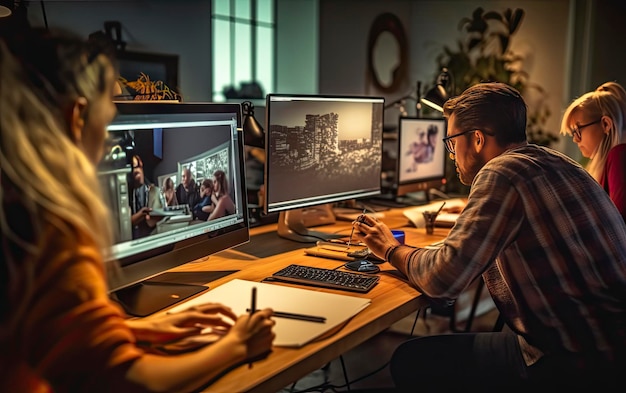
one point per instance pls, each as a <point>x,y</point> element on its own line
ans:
<point>159,170</point>
<point>319,150</point>
<point>420,163</point>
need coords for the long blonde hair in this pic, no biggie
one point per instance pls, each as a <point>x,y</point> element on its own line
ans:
<point>608,100</point>
<point>51,177</point>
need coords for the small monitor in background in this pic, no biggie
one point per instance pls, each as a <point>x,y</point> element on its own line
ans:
<point>420,158</point>
<point>319,150</point>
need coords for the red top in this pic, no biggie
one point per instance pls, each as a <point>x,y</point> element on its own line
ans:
<point>614,179</point>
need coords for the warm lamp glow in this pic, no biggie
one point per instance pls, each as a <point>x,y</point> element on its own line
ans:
<point>438,95</point>
<point>5,11</point>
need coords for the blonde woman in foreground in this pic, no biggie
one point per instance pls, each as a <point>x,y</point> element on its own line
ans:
<point>59,331</point>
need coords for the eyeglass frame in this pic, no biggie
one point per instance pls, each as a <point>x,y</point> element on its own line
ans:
<point>448,138</point>
<point>576,129</point>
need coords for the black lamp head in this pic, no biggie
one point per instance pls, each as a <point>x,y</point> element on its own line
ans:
<point>252,131</point>
<point>438,95</point>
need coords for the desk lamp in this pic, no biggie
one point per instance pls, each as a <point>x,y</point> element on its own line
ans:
<point>254,140</point>
<point>252,131</point>
<point>436,96</point>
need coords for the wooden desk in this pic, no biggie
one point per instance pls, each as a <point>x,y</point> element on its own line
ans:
<point>392,300</point>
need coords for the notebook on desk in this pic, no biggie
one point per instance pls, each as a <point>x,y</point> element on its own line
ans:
<point>444,219</point>
<point>289,332</point>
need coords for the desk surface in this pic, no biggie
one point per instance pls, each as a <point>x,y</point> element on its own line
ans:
<point>392,300</point>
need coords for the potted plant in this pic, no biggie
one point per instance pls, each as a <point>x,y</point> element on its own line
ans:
<point>485,55</point>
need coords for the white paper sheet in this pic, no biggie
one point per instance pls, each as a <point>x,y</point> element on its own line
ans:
<point>289,332</point>
<point>414,214</point>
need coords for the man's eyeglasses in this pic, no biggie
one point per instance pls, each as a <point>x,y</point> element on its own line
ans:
<point>576,129</point>
<point>450,145</point>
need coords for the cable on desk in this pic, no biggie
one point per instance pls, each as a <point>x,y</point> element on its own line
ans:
<point>345,372</point>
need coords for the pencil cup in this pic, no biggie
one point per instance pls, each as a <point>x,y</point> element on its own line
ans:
<point>429,221</point>
<point>399,235</point>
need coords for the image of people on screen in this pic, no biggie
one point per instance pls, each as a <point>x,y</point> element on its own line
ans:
<point>224,204</point>
<point>145,196</point>
<point>423,149</point>
<point>205,207</point>
<point>169,192</point>
<point>187,192</point>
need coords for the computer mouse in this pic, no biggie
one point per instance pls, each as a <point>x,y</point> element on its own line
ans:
<point>362,266</point>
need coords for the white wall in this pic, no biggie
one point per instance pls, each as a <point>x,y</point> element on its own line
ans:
<point>570,45</point>
<point>430,24</point>
<point>297,46</point>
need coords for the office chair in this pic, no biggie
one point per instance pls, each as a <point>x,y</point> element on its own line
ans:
<point>450,309</point>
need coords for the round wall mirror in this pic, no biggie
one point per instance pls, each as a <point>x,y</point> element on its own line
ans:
<point>387,53</point>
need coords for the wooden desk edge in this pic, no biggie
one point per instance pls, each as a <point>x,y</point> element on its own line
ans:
<point>286,365</point>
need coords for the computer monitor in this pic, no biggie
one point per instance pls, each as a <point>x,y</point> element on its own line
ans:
<point>169,141</point>
<point>420,163</point>
<point>319,150</point>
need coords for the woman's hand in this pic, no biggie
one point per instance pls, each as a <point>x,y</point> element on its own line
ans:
<point>376,235</point>
<point>255,332</point>
<point>169,327</point>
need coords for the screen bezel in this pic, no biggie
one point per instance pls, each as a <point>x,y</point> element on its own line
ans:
<point>422,183</point>
<point>145,265</point>
<point>305,203</point>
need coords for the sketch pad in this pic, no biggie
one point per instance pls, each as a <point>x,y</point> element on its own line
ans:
<point>289,332</point>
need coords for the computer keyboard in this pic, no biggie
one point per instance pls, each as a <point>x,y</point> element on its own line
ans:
<point>327,278</point>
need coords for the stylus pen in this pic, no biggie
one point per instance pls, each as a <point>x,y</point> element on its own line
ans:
<point>352,232</point>
<point>300,317</point>
<point>252,310</point>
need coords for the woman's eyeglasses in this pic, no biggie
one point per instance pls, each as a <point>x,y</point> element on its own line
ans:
<point>576,129</point>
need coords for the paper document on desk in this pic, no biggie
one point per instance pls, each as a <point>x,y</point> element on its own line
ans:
<point>289,332</point>
<point>444,219</point>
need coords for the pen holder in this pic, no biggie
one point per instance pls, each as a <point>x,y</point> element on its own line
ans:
<point>398,235</point>
<point>429,221</point>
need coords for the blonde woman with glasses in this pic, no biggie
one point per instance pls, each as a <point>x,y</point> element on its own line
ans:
<point>59,330</point>
<point>596,122</point>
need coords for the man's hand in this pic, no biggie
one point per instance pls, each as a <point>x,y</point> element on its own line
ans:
<point>376,235</point>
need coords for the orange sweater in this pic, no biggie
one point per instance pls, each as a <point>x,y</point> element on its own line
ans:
<point>66,335</point>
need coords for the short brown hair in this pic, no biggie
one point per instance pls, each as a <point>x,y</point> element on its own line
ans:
<point>495,108</point>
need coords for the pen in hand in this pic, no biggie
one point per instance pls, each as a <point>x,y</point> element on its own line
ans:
<point>252,310</point>
<point>352,232</point>
<point>299,317</point>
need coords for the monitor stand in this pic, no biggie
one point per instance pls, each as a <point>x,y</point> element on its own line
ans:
<point>294,224</point>
<point>164,290</point>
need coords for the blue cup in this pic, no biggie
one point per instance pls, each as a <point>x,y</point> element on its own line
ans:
<point>399,235</point>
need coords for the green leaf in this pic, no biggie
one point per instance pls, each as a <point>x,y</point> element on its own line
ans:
<point>504,42</point>
<point>474,42</point>
<point>518,15</point>
<point>492,15</point>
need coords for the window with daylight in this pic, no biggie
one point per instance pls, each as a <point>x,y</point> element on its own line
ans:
<point>243,49</point>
